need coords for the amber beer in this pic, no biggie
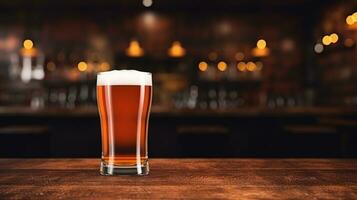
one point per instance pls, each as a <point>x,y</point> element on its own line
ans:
<point>124,101</point>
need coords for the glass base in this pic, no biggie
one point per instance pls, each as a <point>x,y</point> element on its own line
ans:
<point>112,170</point>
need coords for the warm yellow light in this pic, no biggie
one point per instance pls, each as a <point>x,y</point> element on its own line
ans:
<point>51,66</point>
<point>134,49</point>
<point>202,66</point>
<point>28,44</point>
<point>251,66</point>
<point>241,66</point>
<point>222,66</point>
<point>82,66</point>
<point>326,40</point>
<point>354,16</point>
<point>260,52</point>
<point>334,37</point>
<point>261,44</point>
<point>104,66</point>
<point>239,56</point>
<point>350,20</point>
<point>176,50</point>
<point>28,49</point>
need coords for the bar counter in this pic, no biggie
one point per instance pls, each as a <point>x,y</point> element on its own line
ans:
<point>181,179</point>
<point>242,132</point>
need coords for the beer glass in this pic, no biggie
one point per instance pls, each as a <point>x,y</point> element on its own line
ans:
<point>124,101</point>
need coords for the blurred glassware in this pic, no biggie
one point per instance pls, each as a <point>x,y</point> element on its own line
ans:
<point>38,73</point>
<point>62,97</point>
<point>14,67</point>
<point>222,101</point>
<point>83,95</point>
<point>72,97</point>
<point>37,100</point>
<point>32,62</point>
<point>192,99</point>
<point>52,97</point>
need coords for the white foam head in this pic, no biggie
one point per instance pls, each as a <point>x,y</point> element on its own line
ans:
<point>124,77</point>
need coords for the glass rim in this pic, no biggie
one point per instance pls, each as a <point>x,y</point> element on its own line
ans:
<point>149,73</point>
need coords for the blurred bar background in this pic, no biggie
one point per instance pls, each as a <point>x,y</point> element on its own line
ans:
<point>231,78</point>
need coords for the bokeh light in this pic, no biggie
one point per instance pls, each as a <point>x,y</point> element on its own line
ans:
<point>334,37</point>
<point>222,66</point>
<point>350,20</point>
<point>251,66</point>
<point>326,40</point>
<point>318,48</point>
<point>241,66</point>
<point>261,44</point>
<point>28,44</point>
<point>202,66</point>
<point>176,50</point>
<point>354,16</point>
<point>134,49</point>
<point>82,66</point>
<point>147,3</point>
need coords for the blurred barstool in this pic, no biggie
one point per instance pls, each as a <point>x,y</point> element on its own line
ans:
<point>24,141</point>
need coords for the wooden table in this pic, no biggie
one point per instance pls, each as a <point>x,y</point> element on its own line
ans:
<point>181,178</point>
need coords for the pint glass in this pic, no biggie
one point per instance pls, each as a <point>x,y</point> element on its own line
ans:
<point>124,101</point>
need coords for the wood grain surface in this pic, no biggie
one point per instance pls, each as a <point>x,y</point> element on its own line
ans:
<point>181,179</point>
